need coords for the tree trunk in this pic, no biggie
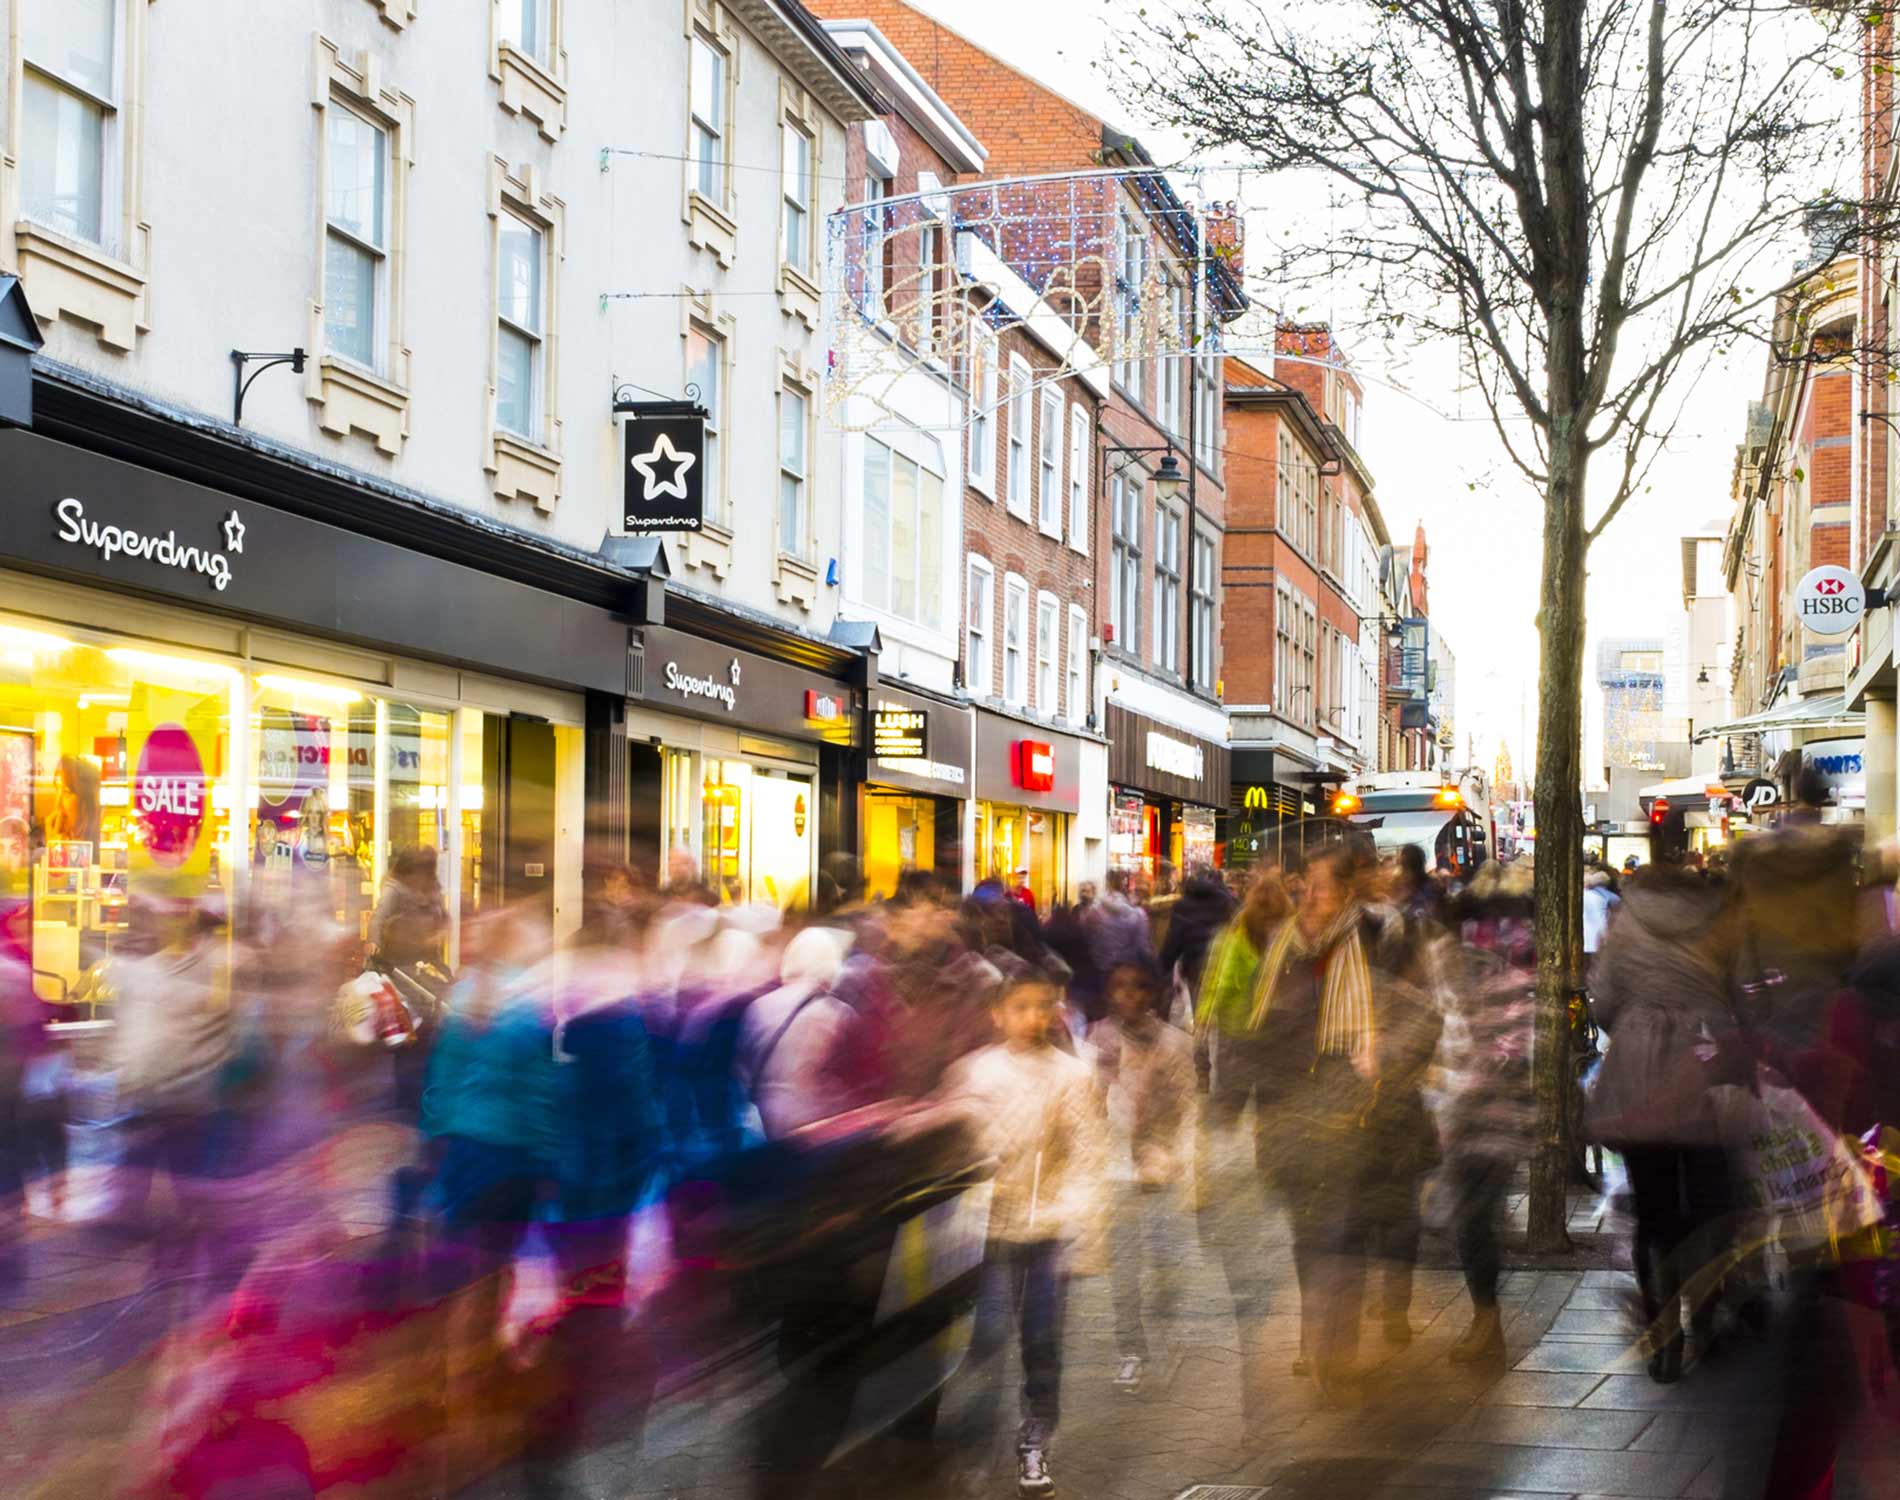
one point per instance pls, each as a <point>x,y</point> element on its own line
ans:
<point>1559,794</point>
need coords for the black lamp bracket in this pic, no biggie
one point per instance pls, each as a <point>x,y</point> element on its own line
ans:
<point>239,384</point>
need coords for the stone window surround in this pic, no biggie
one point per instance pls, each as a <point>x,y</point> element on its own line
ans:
<point>396,14</point>
<point>527,87</point>
<point>799,294</point>
<point>711,546</point>
<point>68,278</point>
<point>519,469</point>
<point>795,572</point>
<point>348,397</point>
<point>711,226</point>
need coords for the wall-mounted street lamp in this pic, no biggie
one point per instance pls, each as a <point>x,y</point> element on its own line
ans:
<point>1169,481</point>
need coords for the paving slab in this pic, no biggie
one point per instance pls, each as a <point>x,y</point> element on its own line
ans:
<point>1602,1358</point>
<point>1568,1471</point>
<point>1546,1427</point>
<point>1551,1388</point>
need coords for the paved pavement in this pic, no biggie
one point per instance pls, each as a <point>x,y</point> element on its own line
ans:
<point>1570,1412</point>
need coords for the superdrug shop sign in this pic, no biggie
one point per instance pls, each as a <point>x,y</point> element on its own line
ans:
<point>690,674</point>
<point>663,465</point>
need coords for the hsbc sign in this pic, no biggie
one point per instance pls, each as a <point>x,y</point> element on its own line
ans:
<point>1830,601</point>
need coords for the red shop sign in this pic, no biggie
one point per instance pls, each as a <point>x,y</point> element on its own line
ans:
<point>822,708</point>
<point>1035,766</point>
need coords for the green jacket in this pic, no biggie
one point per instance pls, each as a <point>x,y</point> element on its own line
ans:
<point>1230,981</point>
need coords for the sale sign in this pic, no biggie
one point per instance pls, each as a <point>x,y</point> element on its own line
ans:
<point>172,738</point>
<point>169,795</point>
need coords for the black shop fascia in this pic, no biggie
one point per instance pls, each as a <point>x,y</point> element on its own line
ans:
<point>742,741</point>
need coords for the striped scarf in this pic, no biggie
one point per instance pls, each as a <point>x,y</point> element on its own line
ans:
<point>1345,1006</point>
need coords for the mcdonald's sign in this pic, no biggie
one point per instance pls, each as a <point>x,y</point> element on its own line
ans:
<point>1257,796</point>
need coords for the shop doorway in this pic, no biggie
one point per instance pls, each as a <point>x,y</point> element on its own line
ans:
<point>518,824</point>
<point>901,833</point>
<point>757,829</point>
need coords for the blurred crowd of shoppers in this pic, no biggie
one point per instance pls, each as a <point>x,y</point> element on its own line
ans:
<point>890,1132</point>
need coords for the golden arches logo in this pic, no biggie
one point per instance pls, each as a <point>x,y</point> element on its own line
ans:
<point>1257,796</point>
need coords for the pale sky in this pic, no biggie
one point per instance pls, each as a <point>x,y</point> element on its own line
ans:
<point>1427,454</point>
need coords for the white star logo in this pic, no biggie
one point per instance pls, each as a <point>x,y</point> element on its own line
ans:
<point>233,533</point>
<point>663,452</point>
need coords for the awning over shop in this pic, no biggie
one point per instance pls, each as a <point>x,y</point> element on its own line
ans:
<point>1827,712</point>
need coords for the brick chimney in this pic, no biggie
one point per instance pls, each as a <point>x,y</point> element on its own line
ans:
<point>1226,230</point>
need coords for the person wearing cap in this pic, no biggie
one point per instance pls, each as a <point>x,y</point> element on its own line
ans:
<point>1019,891</point>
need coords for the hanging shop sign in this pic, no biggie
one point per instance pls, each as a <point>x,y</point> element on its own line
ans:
<point>1829,601</point>
<point>663,450</point>
<point>900,733</point>
<point>690,674</point>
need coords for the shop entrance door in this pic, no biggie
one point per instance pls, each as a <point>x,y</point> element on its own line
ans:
<point>518,780</point>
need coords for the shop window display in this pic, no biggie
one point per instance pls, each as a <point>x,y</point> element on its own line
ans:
<point>115,785</point>
<point>1015,838</point>
<point>343,784</point>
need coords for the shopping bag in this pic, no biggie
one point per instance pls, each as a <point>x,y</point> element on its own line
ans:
<point>1871,1270</point>
<point>1810,1188</point>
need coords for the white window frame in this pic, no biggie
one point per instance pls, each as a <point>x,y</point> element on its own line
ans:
<point>985,383</point>
<point>1079,446</point>
<point>979,627</point>
<point>1049,463</point>
<point>1017,476</point>
<point>1016,656</point>
<point>1131,274</point>
<point>699,128</point>
<point>1128,491</point>
<point>1169,523</point>
<point>1171,345</point>
<point>535,431</point>
<point>798,547</point>
<point>717,334</point>
<point>1048,667</point>
<point>1209,398</point>
<point>382,261</point>
<point>926,584</point>
<point>541,56</point>
<point>796,196</point>
<point>1075,698</point>
<point>1203,600</point>
<point>110,106</point>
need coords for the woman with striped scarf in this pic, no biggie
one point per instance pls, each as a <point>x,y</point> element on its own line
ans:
<point>1310,1024</point>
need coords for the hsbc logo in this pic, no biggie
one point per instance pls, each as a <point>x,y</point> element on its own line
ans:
<point>1829,601</point>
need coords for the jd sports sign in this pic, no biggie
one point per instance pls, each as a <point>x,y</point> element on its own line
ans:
<point>663,465</point>
<point>1829,601</point>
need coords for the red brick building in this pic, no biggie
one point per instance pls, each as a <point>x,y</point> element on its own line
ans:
<point>1304,546</point>
<point>1125,263</point>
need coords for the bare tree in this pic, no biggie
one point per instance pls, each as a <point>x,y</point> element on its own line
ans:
<point>1586,197</point>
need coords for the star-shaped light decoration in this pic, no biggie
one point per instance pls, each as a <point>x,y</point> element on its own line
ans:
<point>233,533</point>
<point>647,465</point>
